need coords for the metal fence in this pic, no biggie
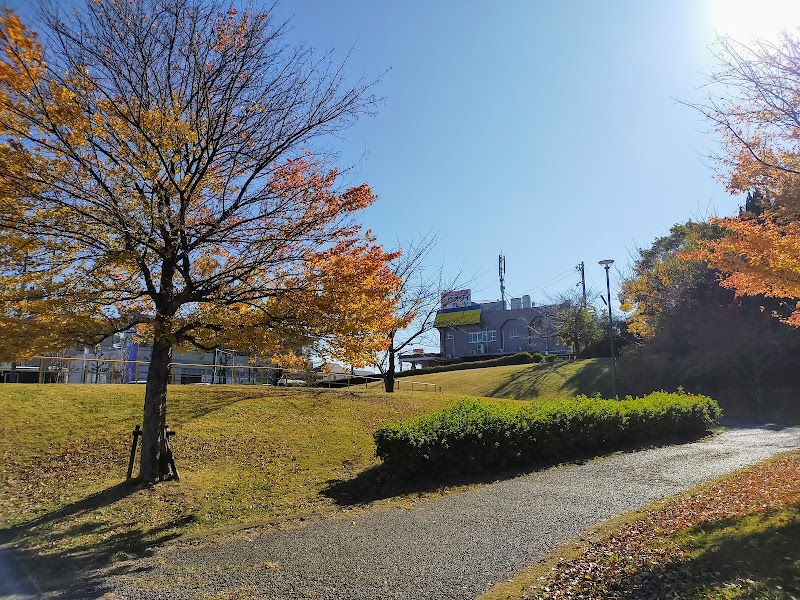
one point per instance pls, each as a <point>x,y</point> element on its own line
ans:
<point>94,370</point>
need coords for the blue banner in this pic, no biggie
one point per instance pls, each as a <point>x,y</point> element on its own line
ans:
<point>131,352</point>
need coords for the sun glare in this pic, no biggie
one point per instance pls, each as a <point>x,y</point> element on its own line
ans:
<point>744,19</point>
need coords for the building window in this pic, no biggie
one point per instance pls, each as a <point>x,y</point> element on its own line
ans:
<point>449,335</point>
<point>514,333</point>
<point>491,336</point>
<point>476,337</point>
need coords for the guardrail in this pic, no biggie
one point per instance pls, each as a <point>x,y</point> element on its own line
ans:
<point>99,370</point>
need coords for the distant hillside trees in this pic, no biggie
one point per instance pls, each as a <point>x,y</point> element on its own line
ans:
<point>689,331</point>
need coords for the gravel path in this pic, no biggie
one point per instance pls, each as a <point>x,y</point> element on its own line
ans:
<point>453,547</point>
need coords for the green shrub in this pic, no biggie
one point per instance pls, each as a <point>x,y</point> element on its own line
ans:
<point>521,358</point>
<point>474,434</point>
<point>551,358</point>
<point>537,357</point>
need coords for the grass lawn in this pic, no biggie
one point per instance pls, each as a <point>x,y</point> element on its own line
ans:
<point>522,382</point>
<point>245,454</point>
<point>736,537</point>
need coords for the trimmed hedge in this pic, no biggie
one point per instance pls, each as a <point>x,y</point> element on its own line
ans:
<point>473,434</point>
<point>521,358</point>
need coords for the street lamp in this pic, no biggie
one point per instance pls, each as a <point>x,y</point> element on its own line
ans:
<point>607,264</point>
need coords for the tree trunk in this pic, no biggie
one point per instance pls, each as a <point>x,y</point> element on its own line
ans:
<point>155,409</point>
<point>753,375</point>
<point>388,377</point>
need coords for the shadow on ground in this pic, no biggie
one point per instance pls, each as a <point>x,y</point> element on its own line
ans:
<point>752,556</point>
<point>185,409</point>
<point>28,569</point>
<point>385,481</point>
<point>593,378</point>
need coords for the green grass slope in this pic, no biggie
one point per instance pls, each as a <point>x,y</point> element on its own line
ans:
<point>524,382</point>
<point>245,454</point>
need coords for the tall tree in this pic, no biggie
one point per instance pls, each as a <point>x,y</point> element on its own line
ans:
<point>155,172</point>
<point>691,331</point>
<point>754,107</point>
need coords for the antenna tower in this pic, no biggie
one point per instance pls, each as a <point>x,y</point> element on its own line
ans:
<point>501,263</point>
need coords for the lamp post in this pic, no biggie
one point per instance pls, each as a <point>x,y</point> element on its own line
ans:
<point>607,264</point>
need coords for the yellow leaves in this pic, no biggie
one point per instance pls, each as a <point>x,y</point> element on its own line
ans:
<point>23,53</point>
<point>205,265</point>
<point>124,206</point>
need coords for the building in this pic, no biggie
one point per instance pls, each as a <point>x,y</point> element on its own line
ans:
<point>491,329</point>
<point>122,359</point>
<point>331,371</point>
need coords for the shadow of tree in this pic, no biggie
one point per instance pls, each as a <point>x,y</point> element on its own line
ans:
<point>385,481</point>
<point>594,378</point>
<point>185,409</point>
<point>29,567</point>
<point>752,556</point>
<point>591,379</point>
<point>381,482</point>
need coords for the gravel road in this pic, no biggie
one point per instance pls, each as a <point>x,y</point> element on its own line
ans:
<point>452,547</point>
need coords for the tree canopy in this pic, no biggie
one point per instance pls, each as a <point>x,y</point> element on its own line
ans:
<point>691,331</point>
<point>156,172</point>
<point>754,107</point>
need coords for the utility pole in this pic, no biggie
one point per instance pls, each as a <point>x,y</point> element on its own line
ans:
<point>579,320</point>
<point>580,268</point>
<point>502,269</point>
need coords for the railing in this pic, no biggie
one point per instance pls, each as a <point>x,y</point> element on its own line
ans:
<point>345,380</point>
<point>99,370</point>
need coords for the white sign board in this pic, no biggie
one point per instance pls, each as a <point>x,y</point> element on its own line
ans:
<point>456,298</point>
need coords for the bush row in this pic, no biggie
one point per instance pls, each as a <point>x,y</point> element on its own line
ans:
<point>521,358</point>
<point>473,434</point>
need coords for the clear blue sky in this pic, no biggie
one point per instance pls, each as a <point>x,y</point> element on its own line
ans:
<point>547,130</point>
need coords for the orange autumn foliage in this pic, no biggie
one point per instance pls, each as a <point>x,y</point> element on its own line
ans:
<point>115,212</point>
<point>168,185</point>
<point>760,134</point>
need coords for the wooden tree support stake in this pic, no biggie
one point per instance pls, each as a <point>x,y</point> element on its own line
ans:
<point>135,434</point>
<point>167,467</point>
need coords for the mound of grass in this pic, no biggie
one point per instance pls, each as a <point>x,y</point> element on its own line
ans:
<point>245,454</point>
<point>473,434</point>
<point>523,382</point>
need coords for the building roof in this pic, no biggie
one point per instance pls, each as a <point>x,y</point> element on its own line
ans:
<point>462,317</point>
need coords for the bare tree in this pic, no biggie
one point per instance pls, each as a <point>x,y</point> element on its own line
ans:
<point>418,298</point>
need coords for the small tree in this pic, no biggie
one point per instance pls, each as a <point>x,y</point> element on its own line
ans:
<point>417,299</point>
<point>580,326</point>
<point>155,173</point>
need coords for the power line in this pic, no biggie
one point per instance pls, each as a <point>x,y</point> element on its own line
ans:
<point>552,281</point>
<point>551,284</point>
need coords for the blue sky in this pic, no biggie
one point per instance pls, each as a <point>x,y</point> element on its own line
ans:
<point>546,130</point>
<point>549,131</point>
